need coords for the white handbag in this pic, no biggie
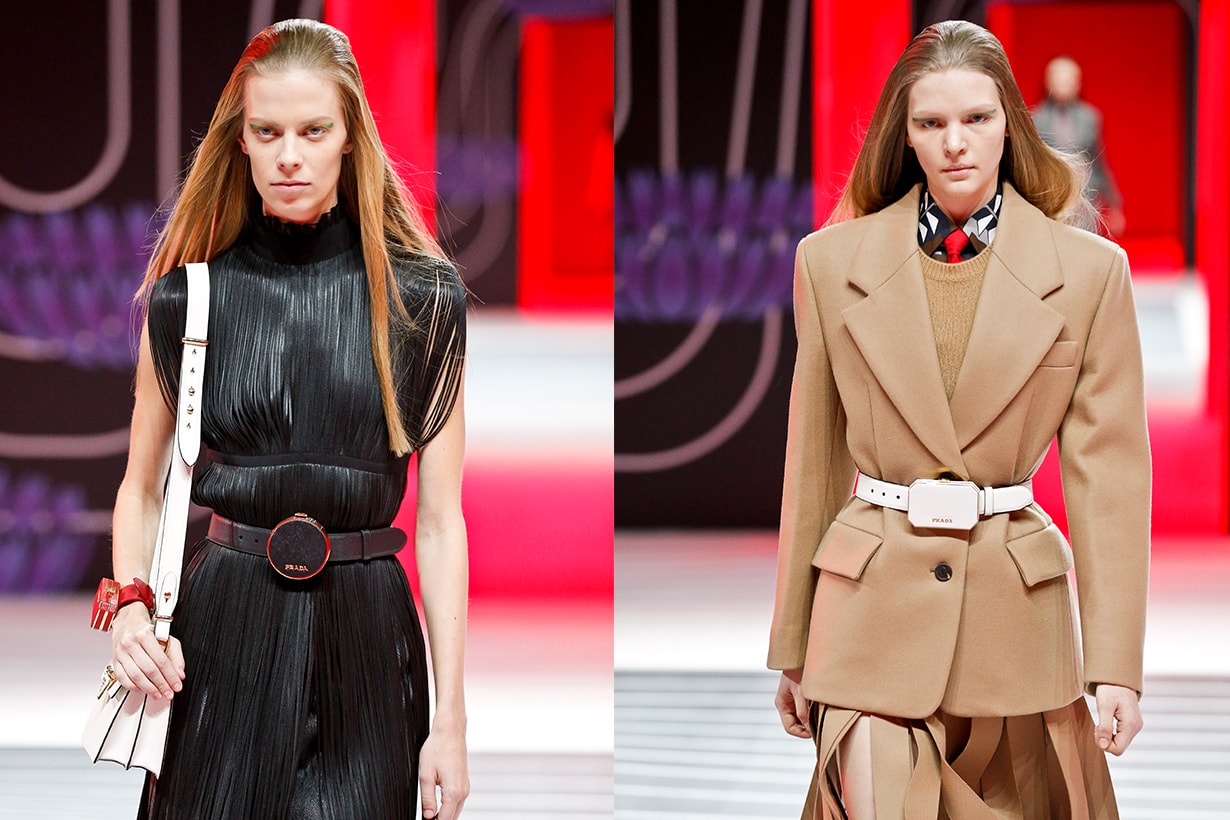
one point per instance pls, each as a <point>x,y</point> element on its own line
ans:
<point>126,727</point>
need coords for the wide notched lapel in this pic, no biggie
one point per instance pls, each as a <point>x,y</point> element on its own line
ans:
<point>891,327</point>
<point>1013,328</point>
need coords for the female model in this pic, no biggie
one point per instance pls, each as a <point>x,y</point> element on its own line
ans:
<point>925,623</point>
<point>336,344</point>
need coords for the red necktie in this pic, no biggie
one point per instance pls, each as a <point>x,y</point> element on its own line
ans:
<point>954,243</point>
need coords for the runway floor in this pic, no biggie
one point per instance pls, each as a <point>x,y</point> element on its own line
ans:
<point>697,735</point>
<point>38,784</point>
<point>539,697</point>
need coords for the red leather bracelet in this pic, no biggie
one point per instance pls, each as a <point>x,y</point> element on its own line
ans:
<point>138,590</point>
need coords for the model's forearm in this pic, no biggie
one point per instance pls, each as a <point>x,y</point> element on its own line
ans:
<point>134,531</point>
<point>443,566</point>
<point>138,503</point>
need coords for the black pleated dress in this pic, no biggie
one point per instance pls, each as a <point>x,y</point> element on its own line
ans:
<point>303,699</point>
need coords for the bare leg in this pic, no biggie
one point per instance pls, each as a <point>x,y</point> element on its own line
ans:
<point>854,768</point>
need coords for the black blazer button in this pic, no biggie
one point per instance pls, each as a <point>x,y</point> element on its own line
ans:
<point>943,572</point>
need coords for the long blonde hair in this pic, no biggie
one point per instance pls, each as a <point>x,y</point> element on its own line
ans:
<point>212,209</point>
<point>886,167</point>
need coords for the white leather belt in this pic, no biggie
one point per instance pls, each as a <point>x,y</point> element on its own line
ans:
<point>941,504</point>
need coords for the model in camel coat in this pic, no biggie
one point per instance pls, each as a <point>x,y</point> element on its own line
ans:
<point>1054,350</point>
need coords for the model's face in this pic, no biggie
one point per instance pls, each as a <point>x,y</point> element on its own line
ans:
<point>295,135</point>
<point>957,127</point>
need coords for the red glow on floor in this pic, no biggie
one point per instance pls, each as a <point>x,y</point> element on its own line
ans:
<point>537,525</point>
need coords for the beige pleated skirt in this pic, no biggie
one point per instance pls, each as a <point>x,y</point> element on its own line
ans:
<point>1043,766</point>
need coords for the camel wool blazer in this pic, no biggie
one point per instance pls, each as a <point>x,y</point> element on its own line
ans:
<point>1054,350</point>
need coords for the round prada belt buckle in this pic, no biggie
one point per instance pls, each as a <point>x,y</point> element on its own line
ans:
<point>298,547</point>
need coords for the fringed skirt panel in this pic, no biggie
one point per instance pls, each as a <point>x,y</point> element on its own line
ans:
<point>1030,767</point>
<point>303,699</point>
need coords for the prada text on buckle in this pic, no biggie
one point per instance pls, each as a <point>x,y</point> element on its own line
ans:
<point>940,504</point>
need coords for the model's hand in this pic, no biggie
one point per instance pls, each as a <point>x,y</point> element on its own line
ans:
<point>139,661</point>
<point>792,707</point>
<point>1118,717</point>
<point>442,763</point>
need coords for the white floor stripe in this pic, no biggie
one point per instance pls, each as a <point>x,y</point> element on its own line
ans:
<point>678,758</point>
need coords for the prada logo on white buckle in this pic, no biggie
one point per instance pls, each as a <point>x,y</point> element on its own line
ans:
<point>938,504</point>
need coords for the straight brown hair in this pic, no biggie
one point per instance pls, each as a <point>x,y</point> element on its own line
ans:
<point>211,210</point>
<point>886,167</point>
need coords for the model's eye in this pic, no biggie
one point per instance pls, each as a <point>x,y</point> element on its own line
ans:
<point>316,131</point>
<point>263,131</point>
<point>928,123</point>
<point>979,118</point>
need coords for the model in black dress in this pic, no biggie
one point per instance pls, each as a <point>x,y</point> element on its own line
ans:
<point>336,351</point>
<point>307,698</point>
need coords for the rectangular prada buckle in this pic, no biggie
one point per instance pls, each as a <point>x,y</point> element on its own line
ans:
<point>939,504</point>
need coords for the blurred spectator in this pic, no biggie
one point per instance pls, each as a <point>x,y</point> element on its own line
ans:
<point>1069,123</point>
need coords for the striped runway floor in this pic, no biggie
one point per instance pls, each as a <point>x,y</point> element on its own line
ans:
<point>539,697</point>
<point>693,745</point>
<point>697,737</point>
<point>60,784</point>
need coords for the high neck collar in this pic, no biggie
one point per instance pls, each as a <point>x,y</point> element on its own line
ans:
<point>291,243</point>
<point>934,225</point>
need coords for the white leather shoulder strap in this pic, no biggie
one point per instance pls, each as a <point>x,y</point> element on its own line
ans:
<point>192,372</point>
<point>173,526</point>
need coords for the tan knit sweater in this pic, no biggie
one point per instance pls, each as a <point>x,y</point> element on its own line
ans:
<point>952,296</point>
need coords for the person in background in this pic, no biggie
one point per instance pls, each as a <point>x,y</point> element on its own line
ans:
<point>1068,123</point>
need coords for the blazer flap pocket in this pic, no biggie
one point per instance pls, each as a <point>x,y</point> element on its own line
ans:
<point>845,550</point>
<point>1061,354</point>
<point>1041,555</point>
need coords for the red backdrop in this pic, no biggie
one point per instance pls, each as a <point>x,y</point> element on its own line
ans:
<point>394,44</point>
<point>1134,72</point>
<point>1213,242</point>
<point>566,244</point>
<point>856,45</point>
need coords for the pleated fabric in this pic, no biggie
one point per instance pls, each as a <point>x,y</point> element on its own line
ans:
<point>1043,766</point>
<point>303,700</point>
<point>290,383</point>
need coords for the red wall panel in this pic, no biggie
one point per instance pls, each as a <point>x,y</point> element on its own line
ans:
<point>394,44</point>
<point>566,245</point>
<point>1213,229</point>
<point>1134,71</point>
<point>856,45</point>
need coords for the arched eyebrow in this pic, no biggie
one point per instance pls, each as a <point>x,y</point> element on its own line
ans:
<point>924,117</point>
<point>324,121</point>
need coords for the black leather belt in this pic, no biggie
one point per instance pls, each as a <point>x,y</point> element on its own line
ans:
<point>299,548</point>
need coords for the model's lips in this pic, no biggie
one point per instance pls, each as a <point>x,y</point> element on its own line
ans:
<point>290,184</point>
<point>958,168</point>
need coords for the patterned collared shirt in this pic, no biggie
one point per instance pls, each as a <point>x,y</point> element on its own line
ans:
<point>934,226</point>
